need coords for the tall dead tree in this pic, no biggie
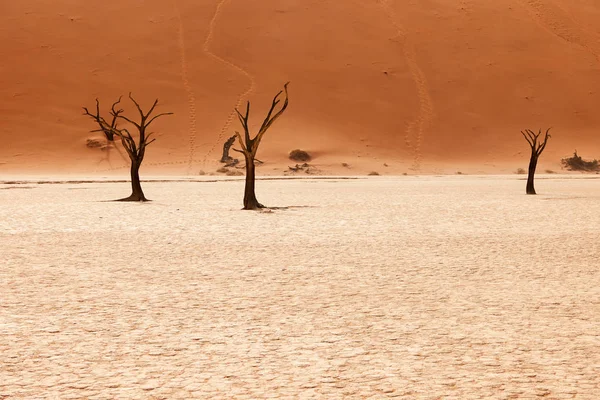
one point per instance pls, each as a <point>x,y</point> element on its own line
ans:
<point>537,147</point>
<point>135,150</point>
<point>250,145</point>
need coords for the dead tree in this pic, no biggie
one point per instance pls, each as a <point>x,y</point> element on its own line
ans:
<point>226,158</point>
<point>135,150</point>
<point>107,129</point>
<point>537,147</point>
<point>250,146</point>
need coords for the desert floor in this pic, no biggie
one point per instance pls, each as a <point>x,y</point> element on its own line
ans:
<point>456,287</point>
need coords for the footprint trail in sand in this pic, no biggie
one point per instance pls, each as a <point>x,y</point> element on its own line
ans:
<point>555,19</point>
<point>188,89</point>
<point>231,65</point>
<point>416,128</point>
<point>191,103</point>
<point>107,151</point>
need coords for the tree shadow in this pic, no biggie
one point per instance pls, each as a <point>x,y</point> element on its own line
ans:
<point>269,210</point>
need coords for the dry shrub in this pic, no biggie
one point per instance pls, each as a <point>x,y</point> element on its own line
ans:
<point>234,172</point>
<point>373,173</point>
<point>576,163</point>
<point>223,170</point>
<point>299,155</point>
<point>521,171</point>
<point>299,167</point>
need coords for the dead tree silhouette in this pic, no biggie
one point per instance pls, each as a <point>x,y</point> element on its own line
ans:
<point>250,146</point>
<point>135,150</point>
<point>226,146</point>
<point>107,129</point>
<point>537,147</point>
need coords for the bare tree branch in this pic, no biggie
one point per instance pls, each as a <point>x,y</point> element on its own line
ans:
<point>269,120</point>
<point>137,106</point>
<point>244,121</point>
<point>543,145</point>
<point>151,109</point>
<point>130,121</point>
<point>119,111</point>
<point>105,128</point>
<point>156,116</point>
<point>241,141</point>
<point>527,138</point>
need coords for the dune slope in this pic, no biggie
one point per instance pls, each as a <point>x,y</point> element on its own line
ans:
<point>417,85</point>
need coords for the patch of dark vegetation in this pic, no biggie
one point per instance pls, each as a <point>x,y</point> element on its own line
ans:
<point>576,163</point>
<point>233,163</point>
<point>373,173</point>
<point>299,155</point>
<point>17,187</point>
<point>306,168</point>
<point>299,167</point>
<point>94,144</point>
<point>270,210</point>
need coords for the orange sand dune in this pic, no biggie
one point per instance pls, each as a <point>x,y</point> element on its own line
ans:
<point>429,86</point>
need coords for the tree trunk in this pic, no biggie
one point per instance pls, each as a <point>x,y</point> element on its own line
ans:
<point>136,187</point>
<point>226,146</point>
<point>530,176</point>
<point>225,158</point>
<point>250,202</point>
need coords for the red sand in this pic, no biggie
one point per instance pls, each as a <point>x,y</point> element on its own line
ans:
<point>428,86</point>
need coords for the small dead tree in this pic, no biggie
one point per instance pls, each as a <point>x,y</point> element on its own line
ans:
<point>537,147</point>
<point>250,146</point>
<point>107,129</point>
<point>135,150</point>
<point>226,158</point>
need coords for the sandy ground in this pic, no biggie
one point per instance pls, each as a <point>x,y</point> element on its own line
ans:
<point>457,287</point>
